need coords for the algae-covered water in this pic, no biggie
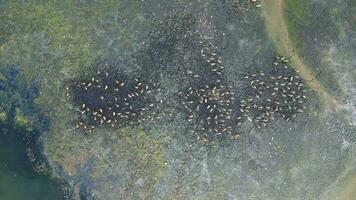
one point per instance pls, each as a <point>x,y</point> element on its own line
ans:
<point>18,179</point>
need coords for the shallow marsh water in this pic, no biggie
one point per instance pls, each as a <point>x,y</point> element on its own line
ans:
<point>18,179</point>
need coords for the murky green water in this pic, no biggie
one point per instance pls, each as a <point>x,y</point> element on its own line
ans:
<point>18,180</point>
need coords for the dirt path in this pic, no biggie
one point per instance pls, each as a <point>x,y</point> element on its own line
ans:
<point>278,32</point>
<point>350,192</point>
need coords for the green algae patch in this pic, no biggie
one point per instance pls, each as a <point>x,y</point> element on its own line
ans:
<point>20,119</point>
<point>3,117</point>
